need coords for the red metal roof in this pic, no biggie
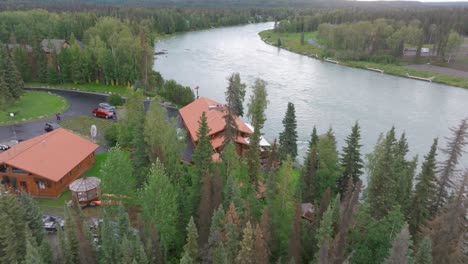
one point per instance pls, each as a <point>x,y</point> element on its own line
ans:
<point>192,112</point>
<point>51,155</point>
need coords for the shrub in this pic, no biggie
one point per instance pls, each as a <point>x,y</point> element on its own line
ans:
<point>115,99</point>
<point>110,135</point>
<point>176,93</point>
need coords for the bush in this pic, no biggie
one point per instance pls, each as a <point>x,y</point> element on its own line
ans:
<point>115,99</point>
<point>110,135</point>
<point>177,93</point>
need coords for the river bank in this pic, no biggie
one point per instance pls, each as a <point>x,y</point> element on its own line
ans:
<point>292,42</point>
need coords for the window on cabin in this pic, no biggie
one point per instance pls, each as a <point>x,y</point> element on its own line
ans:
<point>3,168</point>
<point>16,170</point>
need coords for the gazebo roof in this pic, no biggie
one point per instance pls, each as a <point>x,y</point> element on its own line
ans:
<point>84,184</point>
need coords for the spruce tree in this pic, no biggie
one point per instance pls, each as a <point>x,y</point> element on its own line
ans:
<point>309,171</point>
<point>71,239</point>
<point>231,127</point>
<point>424,252</point>
<point>40,60</point>
<point>158,199</point>
<point>140,159</point>
<point>191,251</point>
<point>256,112</point>
<point>216,223</point>
<point>453,151</point>
<point>400,251</point>
<point>235,94</point>
<point>382,181</point>
<point>448,229</point>
<point>13,78</point>
<point>329,169</point>
<point>5,95</point>
<point>260,247</point>
<point>288,138</point>
<point>232,240</point>
<point>33,217</point>
<point>13,238</point>
<point>33,255</point>
<point>203,150</point>
<point>246,254</point>
<point>294,248</point>
<point>205,209</point>
<point>424,193</point>
<point>351,160</point>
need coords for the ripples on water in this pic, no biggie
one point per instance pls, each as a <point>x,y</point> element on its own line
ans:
<point>324,94</point>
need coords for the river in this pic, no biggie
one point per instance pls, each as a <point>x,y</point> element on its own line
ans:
<point>325,95</point>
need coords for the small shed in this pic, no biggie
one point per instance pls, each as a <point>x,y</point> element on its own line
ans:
<point>85,190</point>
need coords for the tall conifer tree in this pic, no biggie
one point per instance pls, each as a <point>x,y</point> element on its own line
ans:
<point>453,151</point>
<point>235,94</point>
<point>191,250</point>
<point>351,160</point>
<point>256,112</point>
<point>246,254</point>
<point>424,193</point>
<point>288,138</point>
<point>203,151</point>
<point>382,182</point>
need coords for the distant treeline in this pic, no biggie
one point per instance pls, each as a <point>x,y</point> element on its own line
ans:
<point>382,33</point>
<point>113,46</point>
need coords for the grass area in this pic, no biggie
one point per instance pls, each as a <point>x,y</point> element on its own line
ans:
<point>82,125</point>
<point>88,87</point>
<point>56,205</point>
<point>34,105</point>
<point>291,42</point>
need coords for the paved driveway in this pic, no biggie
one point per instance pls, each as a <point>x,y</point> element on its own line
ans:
<point>80,104</point>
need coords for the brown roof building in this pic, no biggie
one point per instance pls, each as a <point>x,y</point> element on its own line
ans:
<point>215,112</point>
<point>44,166</point>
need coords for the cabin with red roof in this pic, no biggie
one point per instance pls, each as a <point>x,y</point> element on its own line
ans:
<point>215,112</point>
<point>45,165</point>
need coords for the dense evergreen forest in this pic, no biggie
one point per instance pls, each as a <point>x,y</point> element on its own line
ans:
<point>260,208</point>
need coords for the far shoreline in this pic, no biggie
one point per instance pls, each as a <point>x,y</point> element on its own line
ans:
<point>389,69</point>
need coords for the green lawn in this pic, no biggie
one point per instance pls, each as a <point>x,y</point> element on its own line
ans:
<point>56,205</point>
<point>89,87</point>
<point>82,125</point>
<point>34,105</point>
<point>292,41</point>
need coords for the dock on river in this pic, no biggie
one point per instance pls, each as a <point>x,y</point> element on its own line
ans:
<point>375,69</point>
<point>420,78</point>
<point>332,61</point>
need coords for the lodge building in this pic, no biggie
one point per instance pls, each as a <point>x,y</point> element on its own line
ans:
<point>45,165</point>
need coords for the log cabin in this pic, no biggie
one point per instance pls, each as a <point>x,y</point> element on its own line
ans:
<point>215,112</point>
<point>44,166</point>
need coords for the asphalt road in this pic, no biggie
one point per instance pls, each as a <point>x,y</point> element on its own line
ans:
<point>80,104</point>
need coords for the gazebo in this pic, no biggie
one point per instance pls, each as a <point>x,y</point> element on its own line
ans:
<point>85,190</point>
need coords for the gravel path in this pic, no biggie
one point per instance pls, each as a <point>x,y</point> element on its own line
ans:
<point>438,70</point>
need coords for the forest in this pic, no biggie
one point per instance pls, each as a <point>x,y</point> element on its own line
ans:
<point>257,208</point>
<point>383,35</point>
<point>335,206</point>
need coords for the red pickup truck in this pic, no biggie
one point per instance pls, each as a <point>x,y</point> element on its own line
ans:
<point>103,112</point>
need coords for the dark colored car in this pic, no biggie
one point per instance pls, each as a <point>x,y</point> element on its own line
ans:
<point>51,223</point>
<point>103,112</point>
<point>51,126</point>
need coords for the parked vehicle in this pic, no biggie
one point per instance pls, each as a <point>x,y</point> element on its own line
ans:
<point>103,112</point>
<point>107,106</point>
<point>51,126</point>
<point>51,223</point>
<point>4,147</point>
